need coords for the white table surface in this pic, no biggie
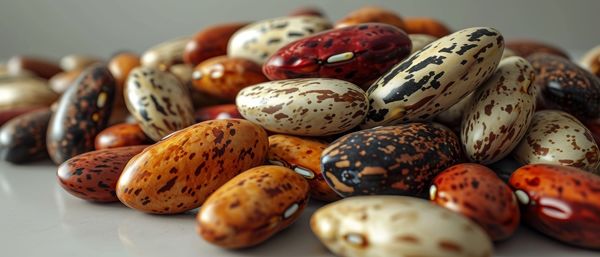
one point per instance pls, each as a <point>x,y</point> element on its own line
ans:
<point>38,218</point>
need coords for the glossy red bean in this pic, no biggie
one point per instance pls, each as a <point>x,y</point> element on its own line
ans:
<point>561,202</point>
<point>358,54</point>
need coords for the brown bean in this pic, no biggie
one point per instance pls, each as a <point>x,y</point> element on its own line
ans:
<point>119,67</point>
<point>40,67</point>
<point>307,11</point>
<point>252,207</point>
<point>527,47</point>
<point>119,135</point>
<point>210,42</point>
<point>426,25</point>
<point>371,14</point>
<point>303,155</point>
<point>224,77</point>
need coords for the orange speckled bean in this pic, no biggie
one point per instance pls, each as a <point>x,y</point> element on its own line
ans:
<point>178,173</point>
<point>252,207</point>
<point>302,155</point>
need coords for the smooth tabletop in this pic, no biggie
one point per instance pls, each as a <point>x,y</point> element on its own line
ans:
<point>40,219</point>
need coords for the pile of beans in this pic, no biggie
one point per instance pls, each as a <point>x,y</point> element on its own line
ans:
<point>374,113</point>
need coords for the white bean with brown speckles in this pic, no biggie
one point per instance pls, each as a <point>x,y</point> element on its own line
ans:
<point>305,107</point>
<point>500,112</point>
<point>365,226</point>
<point>259,40</point>
<point>556,137</point>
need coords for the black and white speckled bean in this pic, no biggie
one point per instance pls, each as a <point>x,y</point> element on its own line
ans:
<point>433,79</point>
<point>259,40</point>
<point>158,101</point>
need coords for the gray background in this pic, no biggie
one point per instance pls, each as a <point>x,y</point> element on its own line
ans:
<point>53,28</point>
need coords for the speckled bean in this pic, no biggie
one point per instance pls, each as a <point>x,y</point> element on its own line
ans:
<point>178,173</point>
<point>258,41</point>
<point>252,207</point>
<point>566,86</point>
<point>93,176</point>
<point>397,226</point>
<point>556,137</point>
<point>83,111</point>
<point>561,202</point>
<point>158,101</point>
<point>433,79</point>
<point>23,139</point>
<point>399,160</point>
<point>476,192</point>
<point>303,155</point>
<point>500,112</point>
<point>305,107</point>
